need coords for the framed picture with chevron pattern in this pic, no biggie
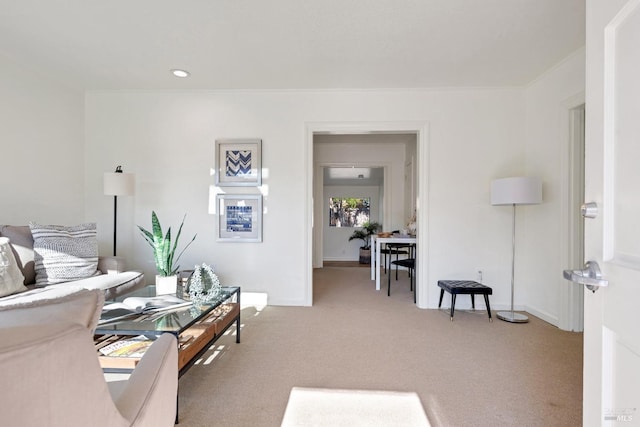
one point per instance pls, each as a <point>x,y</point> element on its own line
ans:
<point>238,162</point>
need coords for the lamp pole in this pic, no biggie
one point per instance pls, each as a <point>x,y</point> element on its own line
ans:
<point>115,217</point>
<point>512,316</point>
<point>117,184</point>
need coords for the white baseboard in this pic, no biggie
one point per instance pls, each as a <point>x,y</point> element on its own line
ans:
<point>542,315</point>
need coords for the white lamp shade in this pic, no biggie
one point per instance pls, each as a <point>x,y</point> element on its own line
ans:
<point>119,184</point>
<point>520,190</point>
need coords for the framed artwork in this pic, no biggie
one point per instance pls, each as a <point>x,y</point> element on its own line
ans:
<point>238,162</point>
<point>239,217</point>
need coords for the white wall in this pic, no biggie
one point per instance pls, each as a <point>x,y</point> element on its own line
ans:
<point>542,238</point>
<point>336,245</point>
<point>167,139</point>
<point>41,147</point>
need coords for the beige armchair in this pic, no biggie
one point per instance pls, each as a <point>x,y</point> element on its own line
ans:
<point>51,376</point>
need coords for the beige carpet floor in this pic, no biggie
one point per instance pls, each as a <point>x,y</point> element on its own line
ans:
<point>469,372</point>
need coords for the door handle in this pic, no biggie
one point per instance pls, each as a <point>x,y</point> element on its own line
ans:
<point>590,276</point>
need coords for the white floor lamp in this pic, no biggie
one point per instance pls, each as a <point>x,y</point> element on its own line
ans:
<point>117,184</point>
<point>515,191</point>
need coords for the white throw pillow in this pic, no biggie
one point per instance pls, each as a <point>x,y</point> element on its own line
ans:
<point>11,278</point>
<point>63,254</point>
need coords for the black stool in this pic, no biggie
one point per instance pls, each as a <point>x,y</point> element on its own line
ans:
<point>455,287</point>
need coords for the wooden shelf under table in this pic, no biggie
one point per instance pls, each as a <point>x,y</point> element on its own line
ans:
<point>191,343</point>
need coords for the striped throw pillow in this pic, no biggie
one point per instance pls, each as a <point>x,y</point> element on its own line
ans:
<point>63,254</point>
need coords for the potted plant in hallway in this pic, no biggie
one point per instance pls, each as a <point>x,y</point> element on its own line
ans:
<point>364,234</point>
<point>164,254</point>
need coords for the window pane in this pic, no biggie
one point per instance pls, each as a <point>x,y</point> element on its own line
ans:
<point>348,211</point>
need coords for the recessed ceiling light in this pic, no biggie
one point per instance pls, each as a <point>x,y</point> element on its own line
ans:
<point>180,73</point>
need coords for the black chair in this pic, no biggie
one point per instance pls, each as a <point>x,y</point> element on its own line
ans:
<point>409,264</point>
<point>392,249</point>
<point>396,249</point>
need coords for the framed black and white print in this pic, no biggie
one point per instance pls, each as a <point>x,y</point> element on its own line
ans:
<point>239,217</point>
<point>238,162</point>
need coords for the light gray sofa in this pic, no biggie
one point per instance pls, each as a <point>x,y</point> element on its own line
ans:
<point>114,280</point>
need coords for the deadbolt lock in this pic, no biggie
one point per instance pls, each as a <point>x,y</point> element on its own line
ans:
<point>589,210</point>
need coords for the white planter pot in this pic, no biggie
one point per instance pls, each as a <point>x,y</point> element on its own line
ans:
<point>166,285</point>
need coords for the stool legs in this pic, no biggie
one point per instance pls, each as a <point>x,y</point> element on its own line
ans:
<point>473,304</point>
<point>486,301</point>
<point>453,304</point>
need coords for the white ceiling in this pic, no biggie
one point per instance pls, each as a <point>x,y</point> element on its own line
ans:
<point>290,44</point>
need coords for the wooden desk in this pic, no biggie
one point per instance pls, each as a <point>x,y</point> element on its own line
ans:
<point>376,242</point>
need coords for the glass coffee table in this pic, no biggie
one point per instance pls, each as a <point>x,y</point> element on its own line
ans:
<point>195,327</point>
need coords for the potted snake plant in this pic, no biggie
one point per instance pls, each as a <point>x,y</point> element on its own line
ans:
<point>164,250</point>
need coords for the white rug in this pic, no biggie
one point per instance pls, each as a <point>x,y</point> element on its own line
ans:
<point>349,408</point>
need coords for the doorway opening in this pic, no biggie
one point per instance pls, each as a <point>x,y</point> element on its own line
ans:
<point>370,145</point>
<point>353,197</point>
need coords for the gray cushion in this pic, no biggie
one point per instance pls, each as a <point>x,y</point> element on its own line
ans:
<point>11,278</point>
<point>63,254</point>
<point>22,245</point>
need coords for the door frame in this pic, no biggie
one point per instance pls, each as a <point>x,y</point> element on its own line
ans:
<point>571,296</point>
<point>421,129</point>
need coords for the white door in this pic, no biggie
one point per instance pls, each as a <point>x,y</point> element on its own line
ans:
<point>612,239</point>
